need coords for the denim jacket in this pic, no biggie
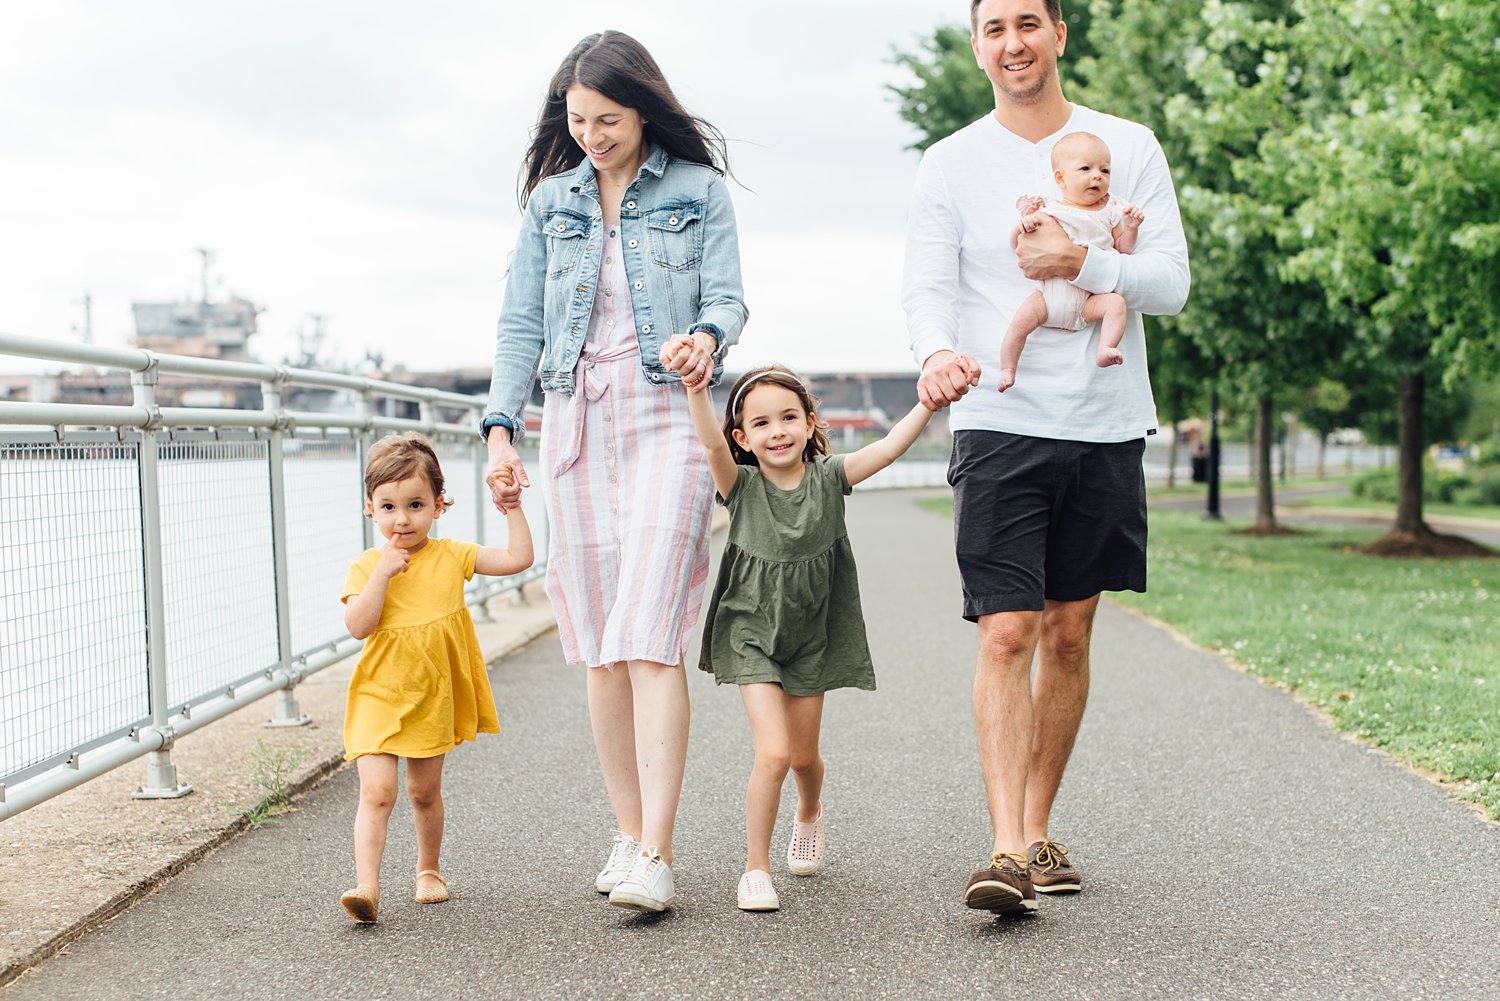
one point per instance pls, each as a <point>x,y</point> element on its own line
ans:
<point>682,260</point>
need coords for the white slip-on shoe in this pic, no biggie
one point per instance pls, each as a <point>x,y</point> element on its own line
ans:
<point>804,853</point>
<point>756,892</point>
<point>647,886</point>
<point>621,853</point>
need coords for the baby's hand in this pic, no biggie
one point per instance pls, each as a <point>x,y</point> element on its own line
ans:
<point>1028,204</point>
<point>393,560</point>
<point>1030,222</point>
<point>1133,216</point>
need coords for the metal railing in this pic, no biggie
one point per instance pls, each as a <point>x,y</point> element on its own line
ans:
<point>161,567</point>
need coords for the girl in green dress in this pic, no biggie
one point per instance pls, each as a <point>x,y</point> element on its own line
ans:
<point>784,623</point>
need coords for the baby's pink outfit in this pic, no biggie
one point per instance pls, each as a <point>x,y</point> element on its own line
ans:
<point>1087,229</point>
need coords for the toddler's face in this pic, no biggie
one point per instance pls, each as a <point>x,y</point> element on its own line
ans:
<point>404,511</point>
<point>773,426</point>
<point>1083,173</point>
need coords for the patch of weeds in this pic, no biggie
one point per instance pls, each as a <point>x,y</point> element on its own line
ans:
<point>271,769</point>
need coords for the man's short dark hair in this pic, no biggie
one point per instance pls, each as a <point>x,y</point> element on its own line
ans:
<point>1054,11</point>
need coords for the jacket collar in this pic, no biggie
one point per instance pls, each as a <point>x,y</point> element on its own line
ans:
<point>586,180</point>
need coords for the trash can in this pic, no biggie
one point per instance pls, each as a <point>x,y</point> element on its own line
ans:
<point>1200,465</point>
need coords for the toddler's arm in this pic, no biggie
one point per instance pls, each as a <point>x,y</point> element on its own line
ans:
<point>516,556</point>
<point>362,613</point>
<point>860,466</point>
<point>1128,228</point>
<point>720,461</point>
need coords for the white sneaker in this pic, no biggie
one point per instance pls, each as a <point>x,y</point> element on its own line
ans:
<point>647,886</point>
<point>804,853</point>
<point>756,892</point>
<point>621,854</point>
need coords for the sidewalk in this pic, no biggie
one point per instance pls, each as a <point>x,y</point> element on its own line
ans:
<point>1233,846</point>
<point>75,860</point>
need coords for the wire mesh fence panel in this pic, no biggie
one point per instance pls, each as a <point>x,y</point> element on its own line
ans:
<point>218,580</point>
<point>72,626</point>
<point>324,523</point>
<point>466,519</point>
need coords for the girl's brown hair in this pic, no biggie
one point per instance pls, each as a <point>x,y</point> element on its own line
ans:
<point>399,457</point>
<point>772,375</point>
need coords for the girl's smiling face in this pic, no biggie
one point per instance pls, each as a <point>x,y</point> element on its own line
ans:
<point>773,426</point>
<point>404,511</point>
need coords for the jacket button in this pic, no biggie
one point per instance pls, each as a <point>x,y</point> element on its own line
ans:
<point>639,284</point>
<point>672,221</point>
<point>631,244</point>
<point>630,205</point>
<point>562,227</point>
<point>646,329</point>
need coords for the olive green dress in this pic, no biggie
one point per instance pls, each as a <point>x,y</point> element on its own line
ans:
<point>785,608</point>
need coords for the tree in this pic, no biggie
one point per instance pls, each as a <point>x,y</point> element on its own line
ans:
<point>1392,182</point>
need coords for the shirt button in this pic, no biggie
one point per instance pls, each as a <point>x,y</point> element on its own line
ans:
<point>631,244</point>
<point>610,322</point>
<point>609,293</point>
<point>607,418</point>
<point>611,232</point>
<point>613,478</point>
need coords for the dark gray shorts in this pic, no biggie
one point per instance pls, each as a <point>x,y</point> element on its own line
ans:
<point>1038,518</point>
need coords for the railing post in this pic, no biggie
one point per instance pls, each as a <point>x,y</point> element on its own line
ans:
<point>366,439</point>
<point>288,713</point>
<point>161,773</point>
<point>482,505</point>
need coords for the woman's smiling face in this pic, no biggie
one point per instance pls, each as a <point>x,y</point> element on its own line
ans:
<point>609,133</point>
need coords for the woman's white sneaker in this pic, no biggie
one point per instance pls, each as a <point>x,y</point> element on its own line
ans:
<point>621,854</point>
<point>756,892</point>
<point>804,853</point>
<point>647,886</point>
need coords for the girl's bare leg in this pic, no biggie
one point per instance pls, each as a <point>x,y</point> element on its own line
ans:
<point>612,716</point>
<point>377,794</point>
<point>765,706</point>
<point>661,736</point>
<point>804,716</point>
<point>424,787</point>
<point>1108,310</point>
<point>1032,314</point>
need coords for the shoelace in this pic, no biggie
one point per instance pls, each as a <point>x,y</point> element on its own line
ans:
<point>1052,855</point>
<point>644,865</point>
<point>623,851</point>
<point>998,860</point>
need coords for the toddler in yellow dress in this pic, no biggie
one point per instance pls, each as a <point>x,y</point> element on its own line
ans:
<point>420,687</point>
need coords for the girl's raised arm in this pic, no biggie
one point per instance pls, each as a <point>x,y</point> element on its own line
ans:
<point>860,466</point>
<point>720,462</point>
<point>516,556</point>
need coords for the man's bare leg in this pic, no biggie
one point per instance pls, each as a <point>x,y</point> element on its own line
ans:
<point>1003,719</point>
<point>1059,691</point>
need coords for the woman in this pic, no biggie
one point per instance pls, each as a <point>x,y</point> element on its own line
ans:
<point>626,278</point>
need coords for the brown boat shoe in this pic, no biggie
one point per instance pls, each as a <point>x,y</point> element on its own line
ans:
<point>1004,887</point>
<point>1051,872</point>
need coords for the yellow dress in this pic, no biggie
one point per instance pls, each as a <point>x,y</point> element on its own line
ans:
<point>420,687</point>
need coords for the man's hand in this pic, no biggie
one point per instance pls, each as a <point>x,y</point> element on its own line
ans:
<point>946,376</point>
<point>393,560</point>
<point>1047,252</point>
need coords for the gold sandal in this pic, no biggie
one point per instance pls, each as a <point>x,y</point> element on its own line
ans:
<point>433,896</point>
<point>362,903</point>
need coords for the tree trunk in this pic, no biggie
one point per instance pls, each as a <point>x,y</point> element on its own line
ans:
<point>1172,457</point>
<point>1409,456</point>
<point>1322,454</point>
<point>1265,502</point>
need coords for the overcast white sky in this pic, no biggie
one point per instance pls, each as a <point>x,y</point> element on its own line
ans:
<point>359,160</point>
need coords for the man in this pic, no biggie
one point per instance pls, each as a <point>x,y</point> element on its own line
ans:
<point>1048,493</point>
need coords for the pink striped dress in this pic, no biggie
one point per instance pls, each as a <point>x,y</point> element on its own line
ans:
<point>629,496</point>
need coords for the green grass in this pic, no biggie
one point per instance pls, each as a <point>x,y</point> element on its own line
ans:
<point>1403,654</point>
<point>1429,508</point>
<point>1186,488</point>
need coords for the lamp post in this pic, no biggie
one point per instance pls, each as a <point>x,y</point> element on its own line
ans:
<point>1213,513</point>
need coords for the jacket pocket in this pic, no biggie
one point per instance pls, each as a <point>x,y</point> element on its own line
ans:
<point>565,232</point>
<point>674,234</point>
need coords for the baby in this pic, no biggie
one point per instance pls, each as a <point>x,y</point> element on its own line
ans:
<point>1091,218</point>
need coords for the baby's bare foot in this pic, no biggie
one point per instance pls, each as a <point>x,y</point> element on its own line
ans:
<point>1110,356</point>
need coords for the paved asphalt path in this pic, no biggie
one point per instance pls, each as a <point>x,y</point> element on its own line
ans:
<point>1233,846</point>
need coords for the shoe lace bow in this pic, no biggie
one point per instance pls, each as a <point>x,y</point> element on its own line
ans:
<point>1051,855</point>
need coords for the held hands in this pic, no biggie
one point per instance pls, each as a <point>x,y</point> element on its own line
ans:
<point>393,560</point>
<point>691,356</point>
<point>506,476</point>
<point>946,376</point>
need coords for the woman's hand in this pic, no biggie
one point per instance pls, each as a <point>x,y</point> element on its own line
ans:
<point>691,356</point>
<point>506,475</point>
